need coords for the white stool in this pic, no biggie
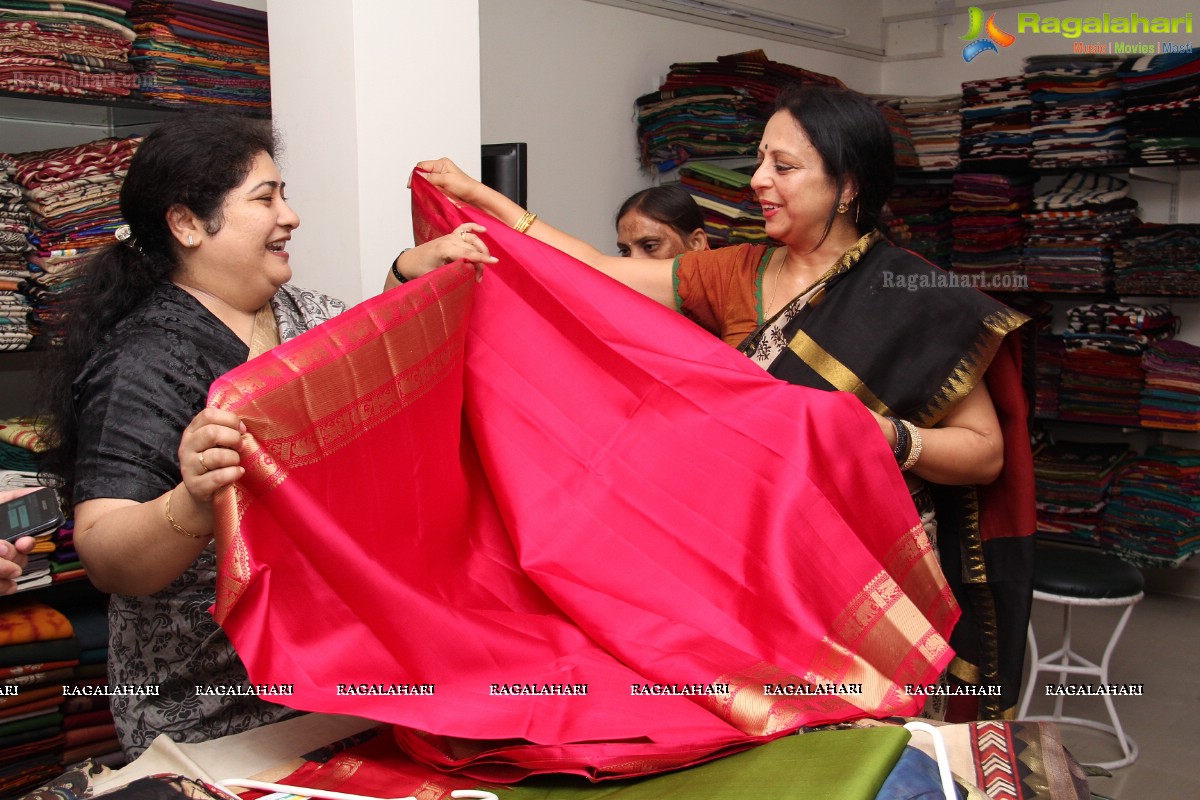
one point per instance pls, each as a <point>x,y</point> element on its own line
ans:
<point>1082,578</point>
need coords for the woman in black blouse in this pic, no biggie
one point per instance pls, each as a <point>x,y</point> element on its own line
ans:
<point>196,284</point>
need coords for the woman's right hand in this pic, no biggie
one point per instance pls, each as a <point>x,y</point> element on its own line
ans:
<point>210,453</point>
<point>458,185</point>
<point>13,555</point>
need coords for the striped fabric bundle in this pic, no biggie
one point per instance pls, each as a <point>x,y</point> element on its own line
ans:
<point>202,53</point>
<point>15,227</point>
<point>1077,115</point>
<point>995,123</point>
<point>732,214</point>
<point>717,108</point>
<point>1171,394</point>
<point>1073,479</point>
<point>1153,259</point>
<point>73,194</point>
<point>74,48</point>
<point>1153,515</point>
<point>1161,98</point>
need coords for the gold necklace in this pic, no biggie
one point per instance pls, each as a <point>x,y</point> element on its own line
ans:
<point>774,288</point>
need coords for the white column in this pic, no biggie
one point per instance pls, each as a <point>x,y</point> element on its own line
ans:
<point>362,90</point>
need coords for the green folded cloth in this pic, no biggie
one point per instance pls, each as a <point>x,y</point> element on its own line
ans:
<point>846,764</point>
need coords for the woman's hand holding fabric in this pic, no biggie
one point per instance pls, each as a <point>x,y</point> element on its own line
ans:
<point>210,453</point>
<point>463,243</point>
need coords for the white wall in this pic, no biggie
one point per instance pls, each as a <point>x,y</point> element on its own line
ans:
<point>361,91</point>
<point>563,75</point>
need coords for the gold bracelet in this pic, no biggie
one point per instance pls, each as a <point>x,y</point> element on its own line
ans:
<point>524,222</point>
<point>914,450</point>
<point>178,528</point>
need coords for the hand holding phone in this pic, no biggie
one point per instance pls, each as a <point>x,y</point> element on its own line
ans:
<point>30,514</point>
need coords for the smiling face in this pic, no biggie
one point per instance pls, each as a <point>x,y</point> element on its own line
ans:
<point>796,193</point>
<point>246,259</point>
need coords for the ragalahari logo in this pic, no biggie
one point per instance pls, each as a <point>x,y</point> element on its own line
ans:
<point>977,44</point>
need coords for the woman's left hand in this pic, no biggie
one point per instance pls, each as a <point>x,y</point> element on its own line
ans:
<point>462,243</point>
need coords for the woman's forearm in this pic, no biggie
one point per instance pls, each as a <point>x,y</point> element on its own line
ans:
<point>132,548</point>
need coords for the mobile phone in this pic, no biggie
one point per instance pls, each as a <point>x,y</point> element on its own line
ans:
<point>30,514</point>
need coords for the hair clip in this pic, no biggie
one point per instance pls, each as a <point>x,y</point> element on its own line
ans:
<point>123,233</point>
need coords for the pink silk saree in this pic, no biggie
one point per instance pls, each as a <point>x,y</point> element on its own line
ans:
<point>487,512</point>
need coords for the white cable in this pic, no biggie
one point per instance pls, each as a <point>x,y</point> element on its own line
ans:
<point>943,759</point>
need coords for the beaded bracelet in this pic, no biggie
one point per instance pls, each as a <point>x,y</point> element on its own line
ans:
<point>914,450</point>
<point>900,451</point>
<point>396,267</point>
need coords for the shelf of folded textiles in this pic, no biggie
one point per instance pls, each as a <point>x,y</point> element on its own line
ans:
<point>115,110</point>
<point>1127,426</point>
<point>1009,168</point>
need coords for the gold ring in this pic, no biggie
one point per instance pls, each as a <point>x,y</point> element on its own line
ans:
<point>463,235</point>
<point>202,464</point>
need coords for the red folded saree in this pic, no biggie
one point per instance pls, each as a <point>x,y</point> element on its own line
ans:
<point>540,523</point>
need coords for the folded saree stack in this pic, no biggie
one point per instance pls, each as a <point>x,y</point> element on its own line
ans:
<point>995,124</point>
<point>38,651</point>
<point>920,217</point>
<point>731,211</point>
<point>713,108</point>
<point>1161,98</point>
<point>1077,115</point>
<point>1171,392</point>
<point>1073,479</point>
<point>1073,231</point>
<point>1153,515</point>
<point>1102,376</point>
<point>15,227</point>
<point>73,194</point>
<point>73,48</point>
<point>988,226</point>
<point>202,53</point>
<point>935,125</point>
<point>1154,259</point>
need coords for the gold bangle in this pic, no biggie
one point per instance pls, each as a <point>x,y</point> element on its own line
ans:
<point>524,222</point>
<point>914,449</point>
<point>178,528</point>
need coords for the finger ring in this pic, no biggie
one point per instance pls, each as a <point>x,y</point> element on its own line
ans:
<point>202,464</point>
<point>463,235</point>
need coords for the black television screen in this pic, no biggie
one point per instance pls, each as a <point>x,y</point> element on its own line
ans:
<point>504,170</point>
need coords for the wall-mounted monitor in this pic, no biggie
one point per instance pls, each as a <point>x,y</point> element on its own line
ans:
<point>504,169</point>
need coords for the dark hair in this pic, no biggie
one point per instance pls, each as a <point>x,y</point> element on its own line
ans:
<point>670,204</point>
<point>193,160</point>
<point>852,137</point>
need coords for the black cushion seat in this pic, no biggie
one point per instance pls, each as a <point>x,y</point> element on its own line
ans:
<point>1084,574</point>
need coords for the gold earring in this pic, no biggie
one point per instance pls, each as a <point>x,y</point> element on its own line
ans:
<point>842,208</point>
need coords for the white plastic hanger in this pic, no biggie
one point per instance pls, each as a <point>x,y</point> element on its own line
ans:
<point>943,759</point>
<point>242,783</point>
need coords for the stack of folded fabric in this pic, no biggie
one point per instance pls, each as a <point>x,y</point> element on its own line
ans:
<point>19,446</point>
<point>995,124</point>
<point>1077,114</point>
<point>921,209</point>
<point>1072,480</point>
<point>731,211</point>
<point>1171,393</point>
<point>905,154</point>
<point>15,227</point>
<point>65,564</point>
<point>1154,259</point>
<point>934,124</point>
<point>1153,513</point>
<point>88,729</point>
<point>201,53</point>
<point>713,108</point>
<point>73,48</point>
<point>1048,368</point>
<point>74,195</point>
<point>1073,230</point>
<point>1161,97</point>
<point>987,212</point>
<point>38,651</point>
<point>1102,374</point>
